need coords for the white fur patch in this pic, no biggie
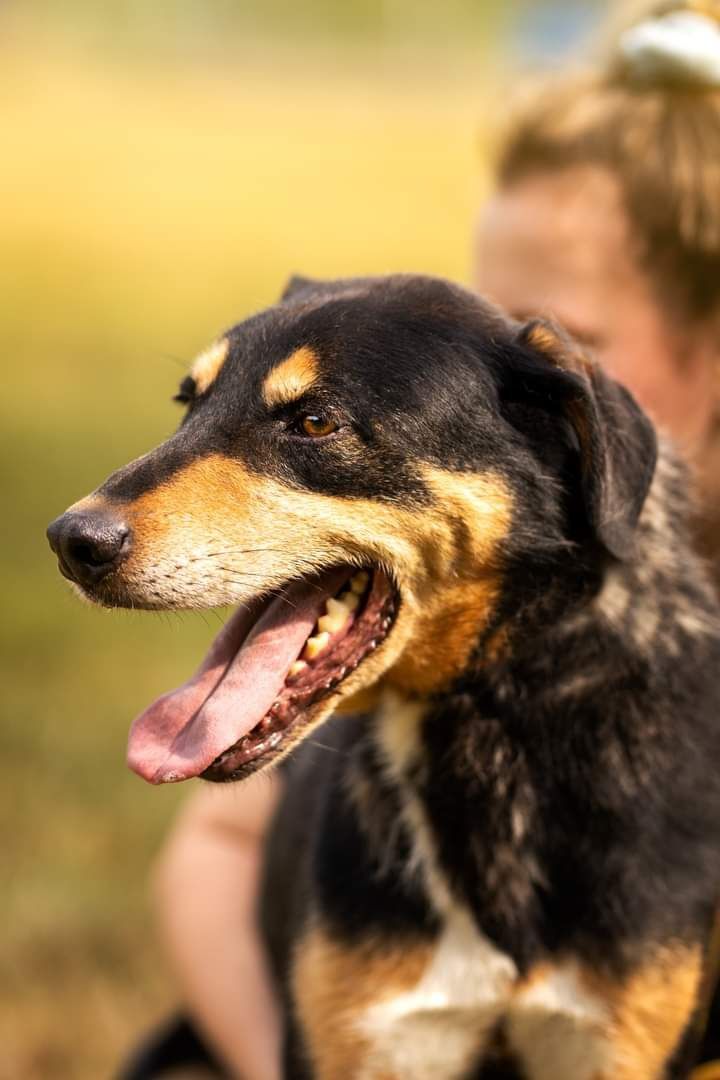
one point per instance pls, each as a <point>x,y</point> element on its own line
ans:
<point>558,1029</point>
<point>399,742</point>
<point>438,1028</point>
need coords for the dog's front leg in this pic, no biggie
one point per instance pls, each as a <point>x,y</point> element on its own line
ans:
<point>571,1023</point>
<point>335,984</point>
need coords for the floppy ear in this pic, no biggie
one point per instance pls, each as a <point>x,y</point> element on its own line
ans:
<point>615,440</point>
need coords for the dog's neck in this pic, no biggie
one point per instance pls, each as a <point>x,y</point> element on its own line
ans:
<point>643,612</point>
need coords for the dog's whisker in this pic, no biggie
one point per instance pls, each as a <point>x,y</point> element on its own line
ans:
<point>281,591</point>
<point>242,573</point>
<point>240,551</point>
<point>175,359</point>
<point>324,746</point>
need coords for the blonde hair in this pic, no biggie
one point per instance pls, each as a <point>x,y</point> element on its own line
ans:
<point>650,114</point>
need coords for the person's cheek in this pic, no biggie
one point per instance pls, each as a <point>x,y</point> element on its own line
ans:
<point>672,392</point>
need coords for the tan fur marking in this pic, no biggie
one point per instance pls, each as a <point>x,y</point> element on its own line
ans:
<point>454,614</point>
<point>496,646</point>
<point>334,985</point>
<point>290,379</point>
<point>543,338</point>
<point>206,367</point>
<point>447,632</point>
<point>573,1024</point>
<point>364,701</point>
<point>709,1071</point>
<point>650,1011</point>
<point>560,350</point>
<point>705,7</point>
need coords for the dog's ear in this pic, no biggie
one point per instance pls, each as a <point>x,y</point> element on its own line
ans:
<point>297,284</point>
<point>616,442</point>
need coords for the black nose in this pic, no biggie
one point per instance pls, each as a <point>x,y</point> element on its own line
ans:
<point>88,545</point>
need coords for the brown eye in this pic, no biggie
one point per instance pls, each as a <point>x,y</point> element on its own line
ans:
<point>318,426</point>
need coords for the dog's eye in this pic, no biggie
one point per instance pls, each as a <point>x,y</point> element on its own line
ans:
<point>187,390</point>
<point>317,426</point>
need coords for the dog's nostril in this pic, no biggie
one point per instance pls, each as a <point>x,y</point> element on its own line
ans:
<point>78,551</point>
<point>89,545</point>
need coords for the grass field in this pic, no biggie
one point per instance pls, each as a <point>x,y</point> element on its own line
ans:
<point>143,209</point>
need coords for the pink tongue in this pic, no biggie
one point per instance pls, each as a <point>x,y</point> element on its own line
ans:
<point>182,733</point>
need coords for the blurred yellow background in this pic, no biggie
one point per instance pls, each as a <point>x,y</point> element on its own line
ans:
<point>163,169</point>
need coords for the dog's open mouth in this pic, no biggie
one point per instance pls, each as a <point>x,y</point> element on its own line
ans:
<point>266,670</point>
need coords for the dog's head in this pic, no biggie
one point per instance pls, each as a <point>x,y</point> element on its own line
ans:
<point>359,470</point>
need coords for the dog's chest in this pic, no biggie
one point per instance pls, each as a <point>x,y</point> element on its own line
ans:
<point>469,991</point>
<point>436,1011</point>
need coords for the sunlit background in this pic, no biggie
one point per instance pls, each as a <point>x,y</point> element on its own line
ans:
<point>164,166</point>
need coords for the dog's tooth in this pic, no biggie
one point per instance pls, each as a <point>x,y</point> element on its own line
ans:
<point>349,600</point>
<point>359,582</point>
<point>336,617</point>
<point>336,607</point>
<point>296,668</point>
<point>315,645</point>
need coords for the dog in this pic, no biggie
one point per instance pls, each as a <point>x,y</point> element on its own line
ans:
<point>455,533</point>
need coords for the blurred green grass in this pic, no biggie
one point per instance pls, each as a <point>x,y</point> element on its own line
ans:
<point>143,208</point>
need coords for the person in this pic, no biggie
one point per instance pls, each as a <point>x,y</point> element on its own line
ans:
<point>606,218</point>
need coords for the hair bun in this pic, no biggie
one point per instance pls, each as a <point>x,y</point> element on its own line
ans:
<point>679,47</point>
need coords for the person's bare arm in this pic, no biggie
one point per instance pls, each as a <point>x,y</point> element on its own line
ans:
<point>206,885</point>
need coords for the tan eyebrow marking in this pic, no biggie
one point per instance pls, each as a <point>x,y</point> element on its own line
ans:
<point>291,378</point>
<point>206,366</point>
